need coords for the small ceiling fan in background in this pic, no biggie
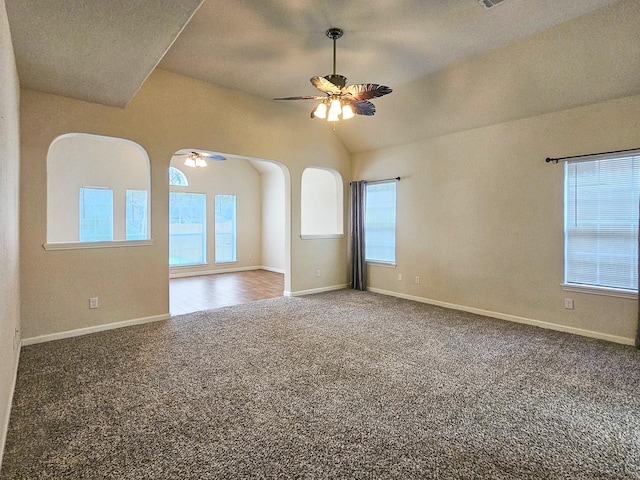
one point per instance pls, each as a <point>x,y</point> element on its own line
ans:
<point>198,159</point>
<point>339,100</point>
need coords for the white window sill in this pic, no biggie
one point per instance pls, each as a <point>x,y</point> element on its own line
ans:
<point>232,262</point>
<point>191,265</point>
<point>608,292</point>
<point>374,263</point>
<point>87,245</point>
<point>327,235</point>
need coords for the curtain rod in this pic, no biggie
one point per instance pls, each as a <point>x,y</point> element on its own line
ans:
<point>380,181</point>
<point>556,160</point>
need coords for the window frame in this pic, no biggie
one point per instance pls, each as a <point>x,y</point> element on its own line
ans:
<point>380,262</point>
<point>204,233</point>
<point>590,288</point>
<point>84,207</point>
<point>234,233</point>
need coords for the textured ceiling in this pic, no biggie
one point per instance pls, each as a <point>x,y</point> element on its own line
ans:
<point>94,50</point>
<point>271,48</point>
<point>102,51</point>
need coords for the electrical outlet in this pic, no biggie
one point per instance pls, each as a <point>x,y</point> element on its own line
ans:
<point>318,273</point>
<point>93,302</point>
<point>399,277</point>
<point>251,256</point>
<point>568,303</point>
<point>16,339</point>
<point>417,280</point>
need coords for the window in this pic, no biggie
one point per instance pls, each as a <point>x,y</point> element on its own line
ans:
<point>601,222</point>
<point>380,222</point>
<point>187,229</point>
<point>97,191</point>
<point>321,203</point>
<point>176,177</point>
<point>96,214</point>
<point>136,215</point>
<point>225,228</point>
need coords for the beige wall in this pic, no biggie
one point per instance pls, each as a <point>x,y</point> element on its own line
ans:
<point>169,112</point>
<point>9,248</point>
<point>273,221</point>
<point>480,216</point>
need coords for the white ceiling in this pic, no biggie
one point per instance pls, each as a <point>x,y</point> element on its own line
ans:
<point>102,51</point>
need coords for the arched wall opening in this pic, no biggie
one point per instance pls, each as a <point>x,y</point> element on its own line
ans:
<point>98,191</point>
<point>259,190</point>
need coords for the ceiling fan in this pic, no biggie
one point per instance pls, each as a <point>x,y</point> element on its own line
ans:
<point>339,100</point>
<point>197,159</point>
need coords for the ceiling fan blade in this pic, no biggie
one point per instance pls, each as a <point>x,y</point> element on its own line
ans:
<point>363,107</point>
<point>364,91</point>
<point>325,85</point>
<point>213,156</point>
<point>303,97</point>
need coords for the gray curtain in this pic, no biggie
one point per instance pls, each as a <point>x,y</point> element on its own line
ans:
<point>358,265</point>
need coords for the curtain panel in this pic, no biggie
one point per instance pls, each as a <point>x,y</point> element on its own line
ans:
<point>358,263</point>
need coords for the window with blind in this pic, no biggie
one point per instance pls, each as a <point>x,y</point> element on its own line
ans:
<point>601,222</point>
<point>225,228</point>
<point>187,229</point>
<point>96,214</point>
<point>380,222</point>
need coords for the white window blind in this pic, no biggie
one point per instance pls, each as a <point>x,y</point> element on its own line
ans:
<point>225,228</point>
<point>601,221</point>
<point>380,222</point>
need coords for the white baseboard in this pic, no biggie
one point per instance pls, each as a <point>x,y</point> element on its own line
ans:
<point>98,328</point>
<point>5,421</point>
<point>271,269</point>
<point>315,290</point>
<point>512,318</point>
<point>198,273</point>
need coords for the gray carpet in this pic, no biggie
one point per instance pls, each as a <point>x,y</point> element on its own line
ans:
<point>337,385</point>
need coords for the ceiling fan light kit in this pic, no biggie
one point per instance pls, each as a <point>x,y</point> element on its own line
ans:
<point>340,101</point>
<point>197,159</point>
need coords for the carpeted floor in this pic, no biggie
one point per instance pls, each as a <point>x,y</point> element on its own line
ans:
<point>343,384</point>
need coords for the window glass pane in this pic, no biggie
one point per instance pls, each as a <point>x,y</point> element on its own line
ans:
<point>96,214</point>
<point>601,222</point>
<point>176,177</point>
<point>380,222</point>
<point>136,215</point>
<point>225,228</point>
<point>187,228</point>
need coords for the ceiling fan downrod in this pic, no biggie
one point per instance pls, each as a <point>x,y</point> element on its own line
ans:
<point>339,80</point>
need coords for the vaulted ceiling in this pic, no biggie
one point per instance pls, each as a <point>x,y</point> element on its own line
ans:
<point>103,51</point>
